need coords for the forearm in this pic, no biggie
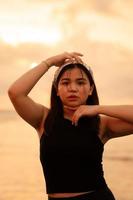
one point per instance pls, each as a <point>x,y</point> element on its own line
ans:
<point>26,82</point>
<point>123,112</point>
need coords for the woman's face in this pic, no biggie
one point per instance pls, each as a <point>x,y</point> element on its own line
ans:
<point>74,88</point>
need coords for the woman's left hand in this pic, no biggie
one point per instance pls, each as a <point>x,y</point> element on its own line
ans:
<point>84,110</point>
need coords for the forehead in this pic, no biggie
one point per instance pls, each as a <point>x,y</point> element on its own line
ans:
<point>74,73</point>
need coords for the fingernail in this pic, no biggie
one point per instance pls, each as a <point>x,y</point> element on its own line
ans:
<point>76,124</point>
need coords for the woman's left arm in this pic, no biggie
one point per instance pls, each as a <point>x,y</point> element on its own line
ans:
<point>119,120</point>
<point>123,112</point>
<point>116,120</point>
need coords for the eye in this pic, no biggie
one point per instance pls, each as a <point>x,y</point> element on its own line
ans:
<point>81,82</point>
<point>65,83</point>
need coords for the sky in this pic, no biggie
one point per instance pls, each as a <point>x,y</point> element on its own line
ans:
<point>31,31</point>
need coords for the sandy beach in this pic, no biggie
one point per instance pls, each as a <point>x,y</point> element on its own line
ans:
<point>21,176</point>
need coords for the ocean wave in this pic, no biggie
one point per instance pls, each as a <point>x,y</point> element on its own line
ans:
<point>7,115</point>
<point>119,158</point>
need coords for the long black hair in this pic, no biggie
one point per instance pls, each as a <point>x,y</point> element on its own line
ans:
<point>56,107</point>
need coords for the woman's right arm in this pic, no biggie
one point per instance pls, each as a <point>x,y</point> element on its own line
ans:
<point>30,111</point>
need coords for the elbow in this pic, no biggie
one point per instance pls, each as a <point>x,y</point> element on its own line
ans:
<point>15,94</point>
<point>11,93</point>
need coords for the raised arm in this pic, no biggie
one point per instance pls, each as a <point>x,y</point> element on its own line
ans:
<point>123,112</point>
<point>116,121</point>
<point>30,111</point>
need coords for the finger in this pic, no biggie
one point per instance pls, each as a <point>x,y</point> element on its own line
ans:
<point>74,56</point>
<point>68,56</point>
<point>67,60</point>
<point>75,118</point>
<point>75,121</point>
<point>77,53</point>
<point>78,59</point>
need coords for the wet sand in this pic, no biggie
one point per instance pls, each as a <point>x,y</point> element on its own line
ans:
<point>21,176</point>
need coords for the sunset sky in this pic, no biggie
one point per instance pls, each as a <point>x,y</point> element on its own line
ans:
<point>33,30</point>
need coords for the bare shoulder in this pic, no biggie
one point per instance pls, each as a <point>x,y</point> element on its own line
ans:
<point>103,129</point>
<point>40,130</point>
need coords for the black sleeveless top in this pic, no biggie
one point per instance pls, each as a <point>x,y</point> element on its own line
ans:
<point>71,157</point>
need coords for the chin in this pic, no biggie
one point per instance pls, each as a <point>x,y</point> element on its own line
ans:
<point>74,104</point>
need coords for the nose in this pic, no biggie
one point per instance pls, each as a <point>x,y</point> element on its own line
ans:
<point>72,87</point>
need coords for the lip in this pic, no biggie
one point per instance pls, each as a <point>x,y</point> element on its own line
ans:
<point>72,97</point>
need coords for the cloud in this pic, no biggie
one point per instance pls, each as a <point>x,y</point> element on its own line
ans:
<point>79,21</point>
<point>112,65</point>
<point>76,6</point>
<point>24,51</point>
<point>107,7</point>
<point>15,60</point>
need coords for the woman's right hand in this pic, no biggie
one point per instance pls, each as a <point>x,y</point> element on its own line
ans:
<point>60,59</point>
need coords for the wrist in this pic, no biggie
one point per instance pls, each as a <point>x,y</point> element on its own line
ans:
<point>46,63</point>
<point>98,109</point>
<point>102,109</point>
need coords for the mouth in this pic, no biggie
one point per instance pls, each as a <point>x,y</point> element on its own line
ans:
<point>72,97</point>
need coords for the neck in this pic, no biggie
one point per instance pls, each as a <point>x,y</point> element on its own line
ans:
<point>69,111</point>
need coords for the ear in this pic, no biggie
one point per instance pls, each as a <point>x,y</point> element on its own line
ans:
<point>91,90</point>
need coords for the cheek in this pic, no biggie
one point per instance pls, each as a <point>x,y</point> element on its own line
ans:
<point>60,91</point>
<point>85,92</point>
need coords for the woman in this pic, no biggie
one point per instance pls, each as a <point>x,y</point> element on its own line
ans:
<point>74,130</point>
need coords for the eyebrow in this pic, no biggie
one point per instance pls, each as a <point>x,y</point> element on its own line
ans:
<point>78,79</point>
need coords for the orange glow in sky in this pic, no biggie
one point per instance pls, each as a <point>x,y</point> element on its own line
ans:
<point>31,31</point>
<point>49,36</point>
